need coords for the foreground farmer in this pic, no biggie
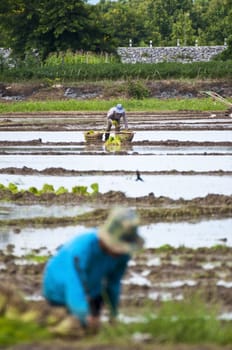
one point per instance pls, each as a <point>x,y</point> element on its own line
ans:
<point>113,117</point>
<point>87,271</point>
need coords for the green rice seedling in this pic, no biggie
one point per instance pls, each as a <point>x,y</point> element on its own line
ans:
<point>13,188</point>
<point>47,189</point>
<point>95,187</point>
<point>113,144</point>
<point>33,190</point>
<point>81,190</point>
<point>61,190</point>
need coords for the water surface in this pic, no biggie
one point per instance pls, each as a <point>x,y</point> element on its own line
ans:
<point>172,186</point>
<point>194,235</point>
<point>120,162</point>
<point>155,135</point>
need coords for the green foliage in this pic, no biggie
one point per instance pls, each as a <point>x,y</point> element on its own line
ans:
<point>52,26</point>
<point>117,71</point>
<point>12,187</point>
<point>113,144</point>
<point>61,190</point>
<point>47,189</point>
<point>113,140</point>
<point>151,104</point>
<point>16,331</point>
<point>190,321</point>
<point>2,187</point>
<point>68,57</point>
<point>226,54</point>
<point>36,258</point>
<point>33,190</point>
<point>95,187</point>
<point>80,190</point>
<point>136,89</point>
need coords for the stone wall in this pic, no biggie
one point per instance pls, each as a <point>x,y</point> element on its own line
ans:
<point>182,54</point>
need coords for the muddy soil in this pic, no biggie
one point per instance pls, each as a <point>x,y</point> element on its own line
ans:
<point>153,274</point>
<point>107,90</point>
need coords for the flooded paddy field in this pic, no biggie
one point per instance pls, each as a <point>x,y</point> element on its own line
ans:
<point>184,200</point>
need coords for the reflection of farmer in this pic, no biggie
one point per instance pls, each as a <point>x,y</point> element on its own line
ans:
<point>89,268</point>
<point>113,117</point>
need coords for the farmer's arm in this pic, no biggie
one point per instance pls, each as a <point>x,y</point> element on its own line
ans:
<point>125,120</point>
<point>76,298</point>
<point>113,287</point>
<point>110,112</point>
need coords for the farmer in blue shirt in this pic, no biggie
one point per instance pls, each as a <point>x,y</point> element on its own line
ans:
<point>89,268</point>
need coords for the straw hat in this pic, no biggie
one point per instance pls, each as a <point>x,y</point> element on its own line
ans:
<point>120,231</point>
<point>119,108</point>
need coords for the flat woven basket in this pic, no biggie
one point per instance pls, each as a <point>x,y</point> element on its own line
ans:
<point>126,136</point>
<point>95,136</point>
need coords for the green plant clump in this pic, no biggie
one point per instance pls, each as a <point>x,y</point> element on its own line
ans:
<point>61,190</point>
<point>81,190</point>
<point>190,322</point>
<point>88,72</point>
<point>47,188</point>
<point>16,331</point>
<point>13,188</point>
<point>136,89</point>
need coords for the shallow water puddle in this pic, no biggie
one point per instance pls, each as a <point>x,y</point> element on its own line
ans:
<point>194,235</point>
<point>119,162</point>
<point>156,135</point>
<point>14,211</point>
<point>146,149</point>
<point>172,186</point>
<point>200,234</point>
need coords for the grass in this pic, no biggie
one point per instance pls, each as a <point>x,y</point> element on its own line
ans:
<point>67,70</point>
<point>190,321</point>
<point>16,331</point>
<point>147,104</point>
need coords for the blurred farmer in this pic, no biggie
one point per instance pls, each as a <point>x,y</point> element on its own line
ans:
<point>87,271</point>
<point>113,118</point>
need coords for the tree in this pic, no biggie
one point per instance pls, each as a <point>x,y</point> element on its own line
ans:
<point>182,29</point>
<point>50,25</point>
<point>218,24</point>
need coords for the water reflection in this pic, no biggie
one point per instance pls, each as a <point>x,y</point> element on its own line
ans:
<point>151,135</point>
<point>194,235</point>
<point>118,162</point>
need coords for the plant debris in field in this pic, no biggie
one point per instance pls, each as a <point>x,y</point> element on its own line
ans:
<point>115,89</point>
<point>162,281</point>
<point>171,272</point>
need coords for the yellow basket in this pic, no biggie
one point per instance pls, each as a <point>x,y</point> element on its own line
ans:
<point>93,136</point>
<point>126,136</point>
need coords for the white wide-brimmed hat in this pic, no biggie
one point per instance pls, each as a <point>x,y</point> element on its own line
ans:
<point>119,108</point>
<point>120,231</point>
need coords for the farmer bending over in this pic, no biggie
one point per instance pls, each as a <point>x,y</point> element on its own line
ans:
<point>87,271</point>
<point>113,117</point>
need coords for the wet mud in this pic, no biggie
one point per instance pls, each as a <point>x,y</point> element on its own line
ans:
<point>154,274</point>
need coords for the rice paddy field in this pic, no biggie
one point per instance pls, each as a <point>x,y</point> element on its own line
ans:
<point>176,172</point>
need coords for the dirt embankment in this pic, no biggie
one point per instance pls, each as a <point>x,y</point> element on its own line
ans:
<point>107,90</point>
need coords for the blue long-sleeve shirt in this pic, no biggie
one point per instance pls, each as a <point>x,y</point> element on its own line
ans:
<point>97,272</point>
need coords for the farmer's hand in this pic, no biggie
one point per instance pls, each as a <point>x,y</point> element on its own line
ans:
<point>93,323</point>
